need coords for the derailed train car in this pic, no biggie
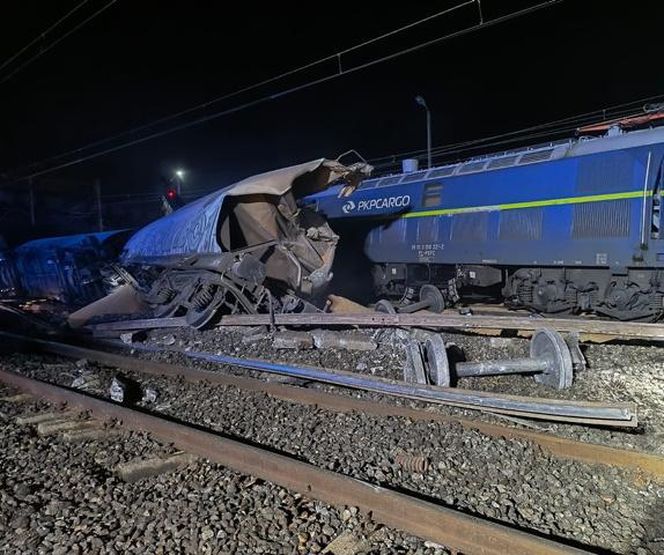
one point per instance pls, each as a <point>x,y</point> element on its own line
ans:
<point>246,248</point>
<point>70,269</point>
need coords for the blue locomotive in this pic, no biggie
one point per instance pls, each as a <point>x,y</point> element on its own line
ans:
<point>566,227</point>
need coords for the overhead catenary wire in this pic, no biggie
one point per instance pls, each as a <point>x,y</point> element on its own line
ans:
<point>454,148</point>
<point>446,150</point>
<point>338,73</point>
<point>548,129</point>
<point>43,34</point>
<point>56,42</point>
<point>228,96</point>
<point>572,121</point>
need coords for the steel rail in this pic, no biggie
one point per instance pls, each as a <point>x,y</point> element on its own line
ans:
<point>562,447</point>
<point>615,414</point>
<point>425,519</point>
<point>610,329</point>
<point>593,413</point>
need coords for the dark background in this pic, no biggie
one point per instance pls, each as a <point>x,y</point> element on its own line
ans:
<point>141,60</point>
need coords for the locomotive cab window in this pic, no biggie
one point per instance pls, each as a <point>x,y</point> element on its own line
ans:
<point>432,196</point>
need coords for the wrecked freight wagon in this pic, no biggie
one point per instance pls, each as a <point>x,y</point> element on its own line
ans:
<point>246,248</point>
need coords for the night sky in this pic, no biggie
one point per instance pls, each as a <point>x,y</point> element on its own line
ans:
<point>141,60</point>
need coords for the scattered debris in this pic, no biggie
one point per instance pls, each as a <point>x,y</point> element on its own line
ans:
<point>86,381</point>
<point>138,469</point>
<point>117,390</point>
<point>149,395</point>
<point>254,338</point>
<point>292,340</point>
<point>65,425</point>
<point>45,417</point>
<point>127,338</point>
<point>328,339</point>
<point>341,305</point>
<point>346,543</point>
<point>91,434</point>
<point>167,340</point>
<point>412,463</point>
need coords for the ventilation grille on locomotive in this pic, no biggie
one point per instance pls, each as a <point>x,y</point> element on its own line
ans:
<point>503,162</point>
<point>469,227</point>
<point>441,172</point>
<point>414,176</point>
<point>427,230</point>
<point>601,219</point>
<point>537,156</point>
<point>473,167</point>
<point>392,180</point>
<point>525,225</point>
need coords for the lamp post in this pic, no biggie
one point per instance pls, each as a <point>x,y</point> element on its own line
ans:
<point>179,174</point>
<point>420,100</point>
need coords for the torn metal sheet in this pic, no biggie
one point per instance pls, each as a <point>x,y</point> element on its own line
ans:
<point>258,215</point>
<point>245,248</point>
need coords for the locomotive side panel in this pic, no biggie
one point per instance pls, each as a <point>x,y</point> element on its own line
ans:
<point>578,230</point>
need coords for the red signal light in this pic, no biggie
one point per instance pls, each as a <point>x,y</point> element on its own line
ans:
<point>171,194</point>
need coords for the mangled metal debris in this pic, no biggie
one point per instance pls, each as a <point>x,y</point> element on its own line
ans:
<point>246,248</point>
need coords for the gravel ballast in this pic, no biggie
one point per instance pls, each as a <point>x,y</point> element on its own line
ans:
<point>63,498</point>
<point>511,481</point>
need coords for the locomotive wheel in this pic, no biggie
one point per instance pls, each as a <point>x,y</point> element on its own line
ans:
<point>431,294</point>
<point>548,344</point>
<point>385,306</point>
<point>437,364</point>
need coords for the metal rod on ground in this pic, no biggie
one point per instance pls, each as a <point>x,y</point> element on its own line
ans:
<point>499,367</point>
<point>614,414</point>
<point>622,414</point>
<point>427,520</point>
<point>550,361</point>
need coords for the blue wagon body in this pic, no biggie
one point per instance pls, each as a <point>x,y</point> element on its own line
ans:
<point>591,205</point>
<point>67,268</point>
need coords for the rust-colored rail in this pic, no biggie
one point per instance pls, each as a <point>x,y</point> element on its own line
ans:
<point>562,447</point>
<point>606,329</point>
<point>459,531</point>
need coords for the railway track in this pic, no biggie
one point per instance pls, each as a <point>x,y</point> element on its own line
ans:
<point>484,322</point>
<point>580,412</point>
<point>428,520</point>
<point>591,453</point>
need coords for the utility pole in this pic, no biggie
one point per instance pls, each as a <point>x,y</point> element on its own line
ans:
<point>100,217</point>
